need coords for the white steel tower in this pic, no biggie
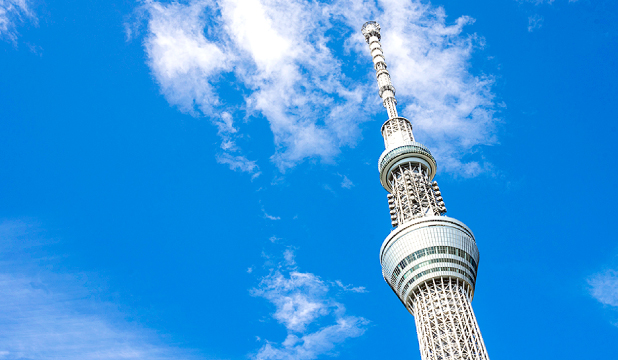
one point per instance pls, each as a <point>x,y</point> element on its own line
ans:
<point>429,260</point>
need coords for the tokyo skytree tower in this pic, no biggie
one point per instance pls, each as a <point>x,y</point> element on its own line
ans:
<point>429,260</point>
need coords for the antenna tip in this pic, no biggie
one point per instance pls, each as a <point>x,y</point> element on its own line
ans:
<point>371,28</point>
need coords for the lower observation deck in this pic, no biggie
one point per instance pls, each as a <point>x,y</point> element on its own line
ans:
<point>408,152</point>
<point>428,248</point>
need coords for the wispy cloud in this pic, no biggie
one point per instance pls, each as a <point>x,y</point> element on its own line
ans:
<point>282,59</point>
<point>304,304</point>
<point>239,162</point>
<point>186,64</point>
<point>346,183</point>
<point>356,289</point>
<point>539,2</point>
<point>534,22</point>
<point>604,287</point>
<point>13,12</point>
<point>270,217</point>
<point>289,257</point>
<point>47,315</point>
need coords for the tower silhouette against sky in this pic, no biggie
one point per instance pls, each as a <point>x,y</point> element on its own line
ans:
<point>429,260</point>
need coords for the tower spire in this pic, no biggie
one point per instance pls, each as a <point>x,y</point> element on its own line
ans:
<point>371,31</point>
<point>429,260</point>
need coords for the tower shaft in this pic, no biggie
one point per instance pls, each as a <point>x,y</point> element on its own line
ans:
<point>445,322</point>
<point>430,261</point>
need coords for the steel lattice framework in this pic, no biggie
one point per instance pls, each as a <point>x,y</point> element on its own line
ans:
<point>429,260</point>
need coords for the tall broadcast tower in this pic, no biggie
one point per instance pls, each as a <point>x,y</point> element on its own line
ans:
<point>429,260</point>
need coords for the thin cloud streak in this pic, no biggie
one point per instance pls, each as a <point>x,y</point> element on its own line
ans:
<point>46,315</point>
<point>356,289</point>
<point>239,162</point>
<point>268,216</point>
<point>13,12</point>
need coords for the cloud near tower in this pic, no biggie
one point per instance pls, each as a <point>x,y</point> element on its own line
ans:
<point>292,63</point>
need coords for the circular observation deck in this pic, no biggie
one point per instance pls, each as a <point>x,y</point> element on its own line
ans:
<point>429,248</point>
<point>410,151</point>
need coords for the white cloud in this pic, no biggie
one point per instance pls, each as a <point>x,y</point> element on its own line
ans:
<point>269,217</point>
<point>297,81</point>
<point>239,162</point>
<point>534,22</point>
<point>356,289</point>
<point>46,315</point>
<point>41,320</point>
<point>299,298</point>
<point>285,66</point>
<point>186,63</point>
<point>604,287</point>
<point>346,183</point>
<point>315,344</point>
<point>289,257</point>
<point>302,304</point>
<point>13,12</point>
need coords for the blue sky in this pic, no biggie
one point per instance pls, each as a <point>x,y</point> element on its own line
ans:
<point>198,179</point>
